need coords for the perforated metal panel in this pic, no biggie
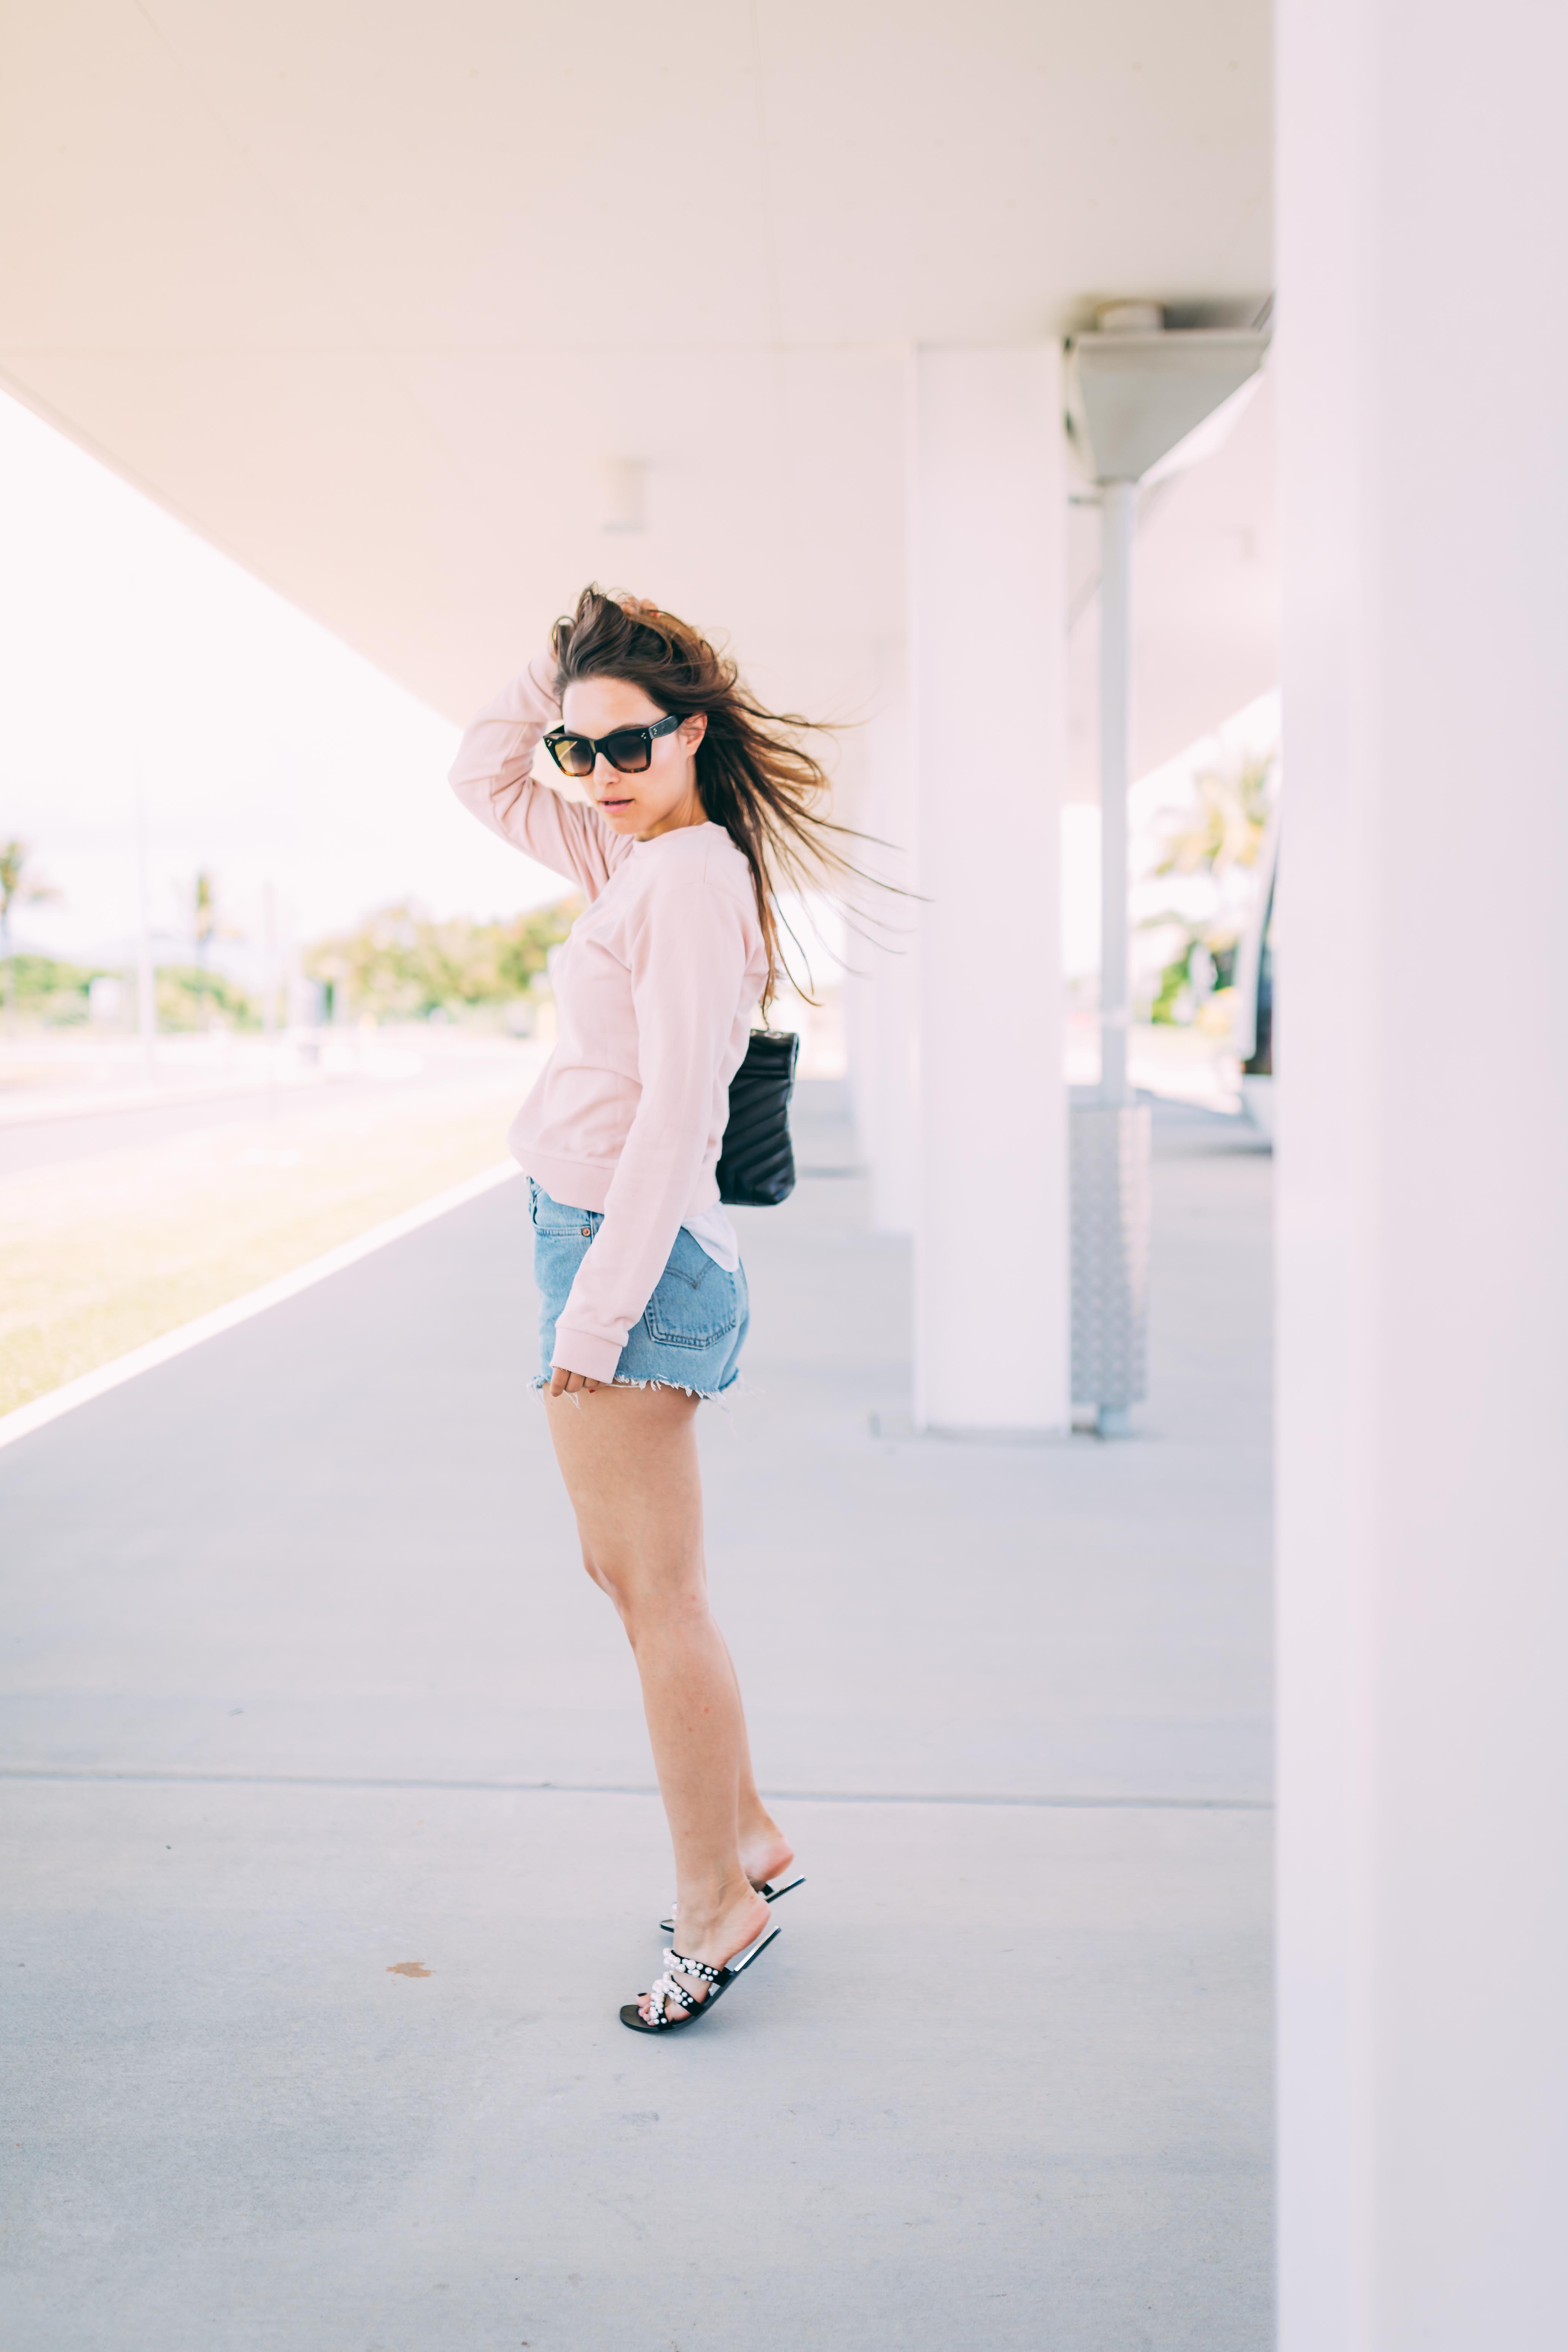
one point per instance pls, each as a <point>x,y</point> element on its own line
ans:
<point>1111,1203</point>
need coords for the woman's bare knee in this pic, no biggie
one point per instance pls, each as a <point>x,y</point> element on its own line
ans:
<point>596,1575</point>
<point>660,1605</point>
<point>616,1578</point>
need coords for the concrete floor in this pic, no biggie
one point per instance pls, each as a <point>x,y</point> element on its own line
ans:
<point>304,1684</point>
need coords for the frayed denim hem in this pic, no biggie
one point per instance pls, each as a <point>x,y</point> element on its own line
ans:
<point>708,1396</point>
<point>541,1381</point>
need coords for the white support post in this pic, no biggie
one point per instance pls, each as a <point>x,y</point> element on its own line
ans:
<point>1422,1135</point>
<point>1118,523</point>
<point>270,968</point>
<point>988,517</point>
<point>146,970</point>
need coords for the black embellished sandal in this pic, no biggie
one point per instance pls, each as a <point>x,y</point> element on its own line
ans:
<point>767,1890</point>
<point>666,1988</point>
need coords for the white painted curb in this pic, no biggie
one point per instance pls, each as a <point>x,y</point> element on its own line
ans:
<point>28,1417</point>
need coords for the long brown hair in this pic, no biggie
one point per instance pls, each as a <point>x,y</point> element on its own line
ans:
<point>754,776</point>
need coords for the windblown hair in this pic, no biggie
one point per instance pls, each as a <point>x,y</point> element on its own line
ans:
<point>754,776</point>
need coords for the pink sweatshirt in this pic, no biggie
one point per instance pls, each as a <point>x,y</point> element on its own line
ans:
<point>654,991</point>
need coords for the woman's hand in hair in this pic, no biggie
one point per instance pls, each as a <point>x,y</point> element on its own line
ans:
<point>640,608</point>
<point>565,1383</point>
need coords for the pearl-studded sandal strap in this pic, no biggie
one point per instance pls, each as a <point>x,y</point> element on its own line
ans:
<point>665,1989</point>
<point>668,1987</point>
<point>693,1967</point>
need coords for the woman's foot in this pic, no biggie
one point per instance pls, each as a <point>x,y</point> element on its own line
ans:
<point>766,1852</point>
<point>716,1937</point>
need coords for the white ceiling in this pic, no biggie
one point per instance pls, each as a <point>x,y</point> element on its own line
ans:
<point>374,294</point>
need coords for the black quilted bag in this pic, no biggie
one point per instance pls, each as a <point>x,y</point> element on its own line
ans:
<point>756,1159</point>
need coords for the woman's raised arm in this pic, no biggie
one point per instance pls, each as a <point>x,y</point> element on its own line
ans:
<point>492,776</point>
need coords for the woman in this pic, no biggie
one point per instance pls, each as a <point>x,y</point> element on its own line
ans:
<point>701,805</point>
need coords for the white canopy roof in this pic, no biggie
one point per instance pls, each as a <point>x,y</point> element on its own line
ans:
<point>403,307</point>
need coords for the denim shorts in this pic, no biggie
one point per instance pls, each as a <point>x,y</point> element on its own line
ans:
<point>692,1329</point>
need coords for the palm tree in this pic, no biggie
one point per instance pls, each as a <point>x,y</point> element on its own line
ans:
<point>19,887</point>
<point>206,908</point>
<point>1220,831</point>
<point>1228,826</point>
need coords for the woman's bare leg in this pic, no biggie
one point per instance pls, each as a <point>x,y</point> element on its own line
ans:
<point>629,1460</point>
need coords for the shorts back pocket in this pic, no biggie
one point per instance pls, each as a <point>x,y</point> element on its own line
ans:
<point>697,1303</point>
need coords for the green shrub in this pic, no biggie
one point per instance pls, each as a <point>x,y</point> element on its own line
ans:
<point>190,997</point>
<point>49,990</point>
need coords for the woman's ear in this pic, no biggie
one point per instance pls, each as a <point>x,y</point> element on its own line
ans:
<point>692,731</point>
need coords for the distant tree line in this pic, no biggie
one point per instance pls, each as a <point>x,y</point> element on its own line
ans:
<point>401,966</point>
<point>188,996</point>
<point>396,966</point>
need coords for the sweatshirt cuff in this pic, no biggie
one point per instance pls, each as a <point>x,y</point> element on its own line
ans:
<point>586,1353</point>
<point>540,688</point>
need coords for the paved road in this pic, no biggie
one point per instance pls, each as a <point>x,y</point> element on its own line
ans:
<point>305,1685</point>
<point>55,1139</point>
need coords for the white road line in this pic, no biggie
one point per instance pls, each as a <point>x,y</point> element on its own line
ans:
<point>28,1417</point>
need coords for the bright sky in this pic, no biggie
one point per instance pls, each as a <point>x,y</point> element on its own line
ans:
<point>134,656</point>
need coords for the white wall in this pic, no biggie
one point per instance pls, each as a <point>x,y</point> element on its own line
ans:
<point>1423,1152</point>
<point>987,638</point>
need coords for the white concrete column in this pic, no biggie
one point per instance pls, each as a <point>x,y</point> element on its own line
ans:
<point>987,640</point>
<point>1423,1127</point>
<point>879,989</point>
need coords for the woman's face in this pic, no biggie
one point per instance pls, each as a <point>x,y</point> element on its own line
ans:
<point>663,796</point>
